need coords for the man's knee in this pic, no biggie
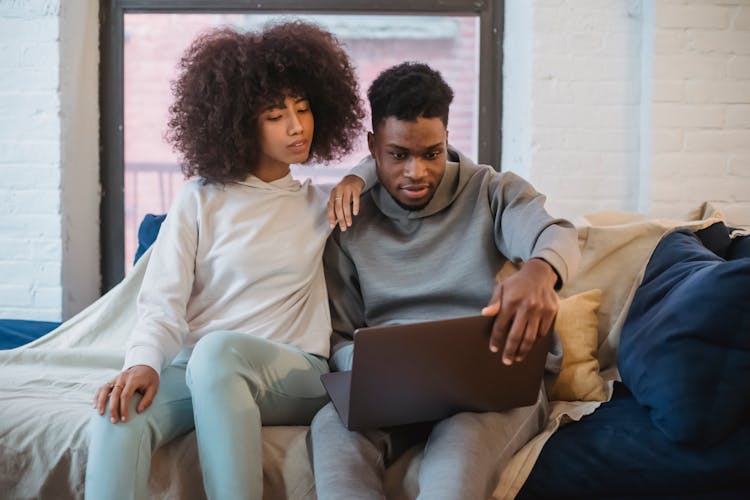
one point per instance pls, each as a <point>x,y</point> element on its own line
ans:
<point>327,419</point>
<point>465,424</point>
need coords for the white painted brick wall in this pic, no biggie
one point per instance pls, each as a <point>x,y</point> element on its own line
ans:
<point>584,103</point>
<point>30,220</point>
<point>701,104</point>
<point>609,127</point>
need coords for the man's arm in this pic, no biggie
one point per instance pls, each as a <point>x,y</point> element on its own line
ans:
<point>525,304</point>
<point>345,299</point>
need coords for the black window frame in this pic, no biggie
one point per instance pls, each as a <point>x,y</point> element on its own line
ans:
<point>111,91</point>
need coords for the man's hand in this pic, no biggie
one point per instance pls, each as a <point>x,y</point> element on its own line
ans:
<point>524,307</point>
<point>344,201</point>
<point>139,378</point>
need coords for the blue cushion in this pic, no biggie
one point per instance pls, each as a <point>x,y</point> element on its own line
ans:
<point>617,452</point>
<point>685,345</point>
<point>147,233</point>
<point>740,248</point>
<point>17,332</point>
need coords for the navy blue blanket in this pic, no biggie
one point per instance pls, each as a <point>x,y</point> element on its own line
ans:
<point>617,452</point>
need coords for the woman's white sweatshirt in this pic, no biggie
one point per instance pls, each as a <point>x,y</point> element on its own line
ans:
<point>242,257</point>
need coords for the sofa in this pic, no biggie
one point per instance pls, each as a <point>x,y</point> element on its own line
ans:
<point>640,408</point>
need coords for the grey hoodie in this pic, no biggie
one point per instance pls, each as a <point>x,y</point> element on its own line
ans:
<point>396,265</point>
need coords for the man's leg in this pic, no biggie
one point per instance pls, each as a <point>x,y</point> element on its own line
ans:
<point>347,465</point>
<point>466,453</point>
<point>239,383</point>
<point>119,458</point>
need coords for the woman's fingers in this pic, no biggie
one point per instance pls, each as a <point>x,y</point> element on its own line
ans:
<point>100,398</point>
<point>140,378</point>
<point>331,212</point>
<point>339,207</point>
<point>343,203</point>
<point>125,396</point>
<point>355,202</point>
<point>147,398</point>
<point>114,401</point>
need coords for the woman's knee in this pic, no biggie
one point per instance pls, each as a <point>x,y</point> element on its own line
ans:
<point>213,359</point>
<point>120,434</point>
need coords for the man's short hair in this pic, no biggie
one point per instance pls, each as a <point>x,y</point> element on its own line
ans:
<point>408,91</point>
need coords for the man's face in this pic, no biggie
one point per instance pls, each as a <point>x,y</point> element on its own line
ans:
<point>410,158</point>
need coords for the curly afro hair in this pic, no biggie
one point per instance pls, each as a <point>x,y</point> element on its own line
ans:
<point>226,79</point>
<point>408,91</point>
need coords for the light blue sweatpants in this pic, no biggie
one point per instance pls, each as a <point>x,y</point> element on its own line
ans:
<point>232,384</point>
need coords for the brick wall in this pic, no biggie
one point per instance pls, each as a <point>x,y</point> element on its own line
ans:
<point>49,171</point>
<point>701,104</point>
<point>30,175</point>
<point>581,120</point>
<point>633,105</point>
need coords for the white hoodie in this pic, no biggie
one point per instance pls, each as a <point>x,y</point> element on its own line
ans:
<point>242,257</point>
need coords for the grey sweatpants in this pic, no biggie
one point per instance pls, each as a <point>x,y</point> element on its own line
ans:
<point>463,457</point>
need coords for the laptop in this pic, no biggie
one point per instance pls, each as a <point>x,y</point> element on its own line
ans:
<point>430,370</point>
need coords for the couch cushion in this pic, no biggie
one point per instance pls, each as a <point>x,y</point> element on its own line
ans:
<point>617,452</point>
<point>147,233</point>
<point>17,332</point>
<point>685,345</point>
<point>577,326</point>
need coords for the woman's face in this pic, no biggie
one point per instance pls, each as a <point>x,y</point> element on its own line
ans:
<point>286,132</point>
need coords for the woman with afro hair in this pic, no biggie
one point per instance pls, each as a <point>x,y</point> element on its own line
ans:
<point>233,323</point>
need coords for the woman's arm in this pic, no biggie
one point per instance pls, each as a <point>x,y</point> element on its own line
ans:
<point>162,302</point>
<point>344,198</point>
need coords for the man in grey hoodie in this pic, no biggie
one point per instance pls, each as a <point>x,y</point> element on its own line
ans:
<point>428,243</point>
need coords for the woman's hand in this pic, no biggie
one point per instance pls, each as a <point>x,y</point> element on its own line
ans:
<point>120,390</point>
<point>344,201</point>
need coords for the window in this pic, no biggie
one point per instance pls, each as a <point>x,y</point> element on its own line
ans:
<point>142,41</point>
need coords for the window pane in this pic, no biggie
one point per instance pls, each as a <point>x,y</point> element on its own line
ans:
<point>154,43</point>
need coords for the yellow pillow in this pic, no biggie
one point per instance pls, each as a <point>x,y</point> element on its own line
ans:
<point>577,325</point>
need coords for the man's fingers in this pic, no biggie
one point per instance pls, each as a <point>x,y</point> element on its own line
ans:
<point>529,338</point>
<point>499,331</point>
<point>491,309</point>
<point>545,325</point>
<point>513,341</point>
<point>495,303</point>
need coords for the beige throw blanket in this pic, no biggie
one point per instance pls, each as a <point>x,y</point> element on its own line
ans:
<point>46,387</point>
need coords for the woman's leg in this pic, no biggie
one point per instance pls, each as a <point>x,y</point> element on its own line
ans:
<point>238,383</point>
<point>120,454</point>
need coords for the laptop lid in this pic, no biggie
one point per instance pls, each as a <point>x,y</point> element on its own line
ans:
<point>431,370</point>
<point>338,387</point>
